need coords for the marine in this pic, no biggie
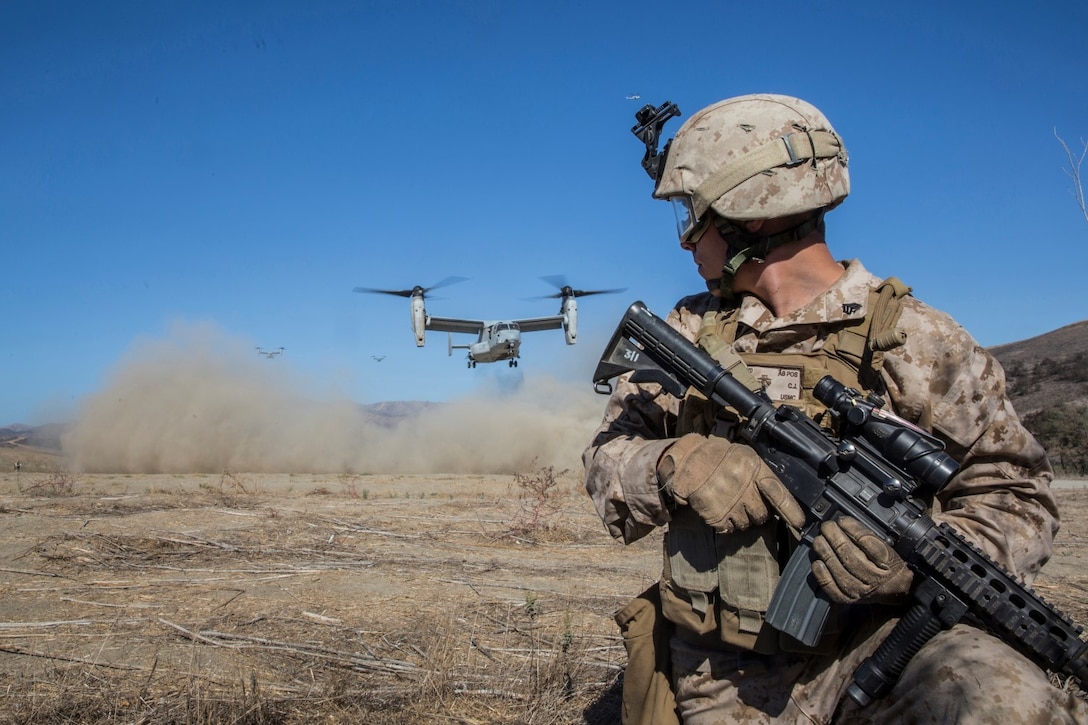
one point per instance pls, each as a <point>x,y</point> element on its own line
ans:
<point>751,180</point>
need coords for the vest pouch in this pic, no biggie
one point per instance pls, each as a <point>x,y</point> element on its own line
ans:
<point>691,557</point>
<point>748,574</point>
<point>742,567</point>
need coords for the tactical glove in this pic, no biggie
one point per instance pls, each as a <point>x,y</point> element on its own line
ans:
<point>727,484</point>
<point>855,565</point>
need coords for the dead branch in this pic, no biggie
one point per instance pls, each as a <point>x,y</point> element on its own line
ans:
<point>506,694</point>
<point>30,572</point>
<point>322,618</point>
<point>497,585</point>
<point>47,625</point>
<point>76,660</point>
<point>355,528</point>
<point>354,661</point>
<point>1073,172</point>
<point>107,604</point>
<point>194,636</point>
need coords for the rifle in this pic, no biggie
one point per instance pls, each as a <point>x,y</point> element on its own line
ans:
<point>875,467</point>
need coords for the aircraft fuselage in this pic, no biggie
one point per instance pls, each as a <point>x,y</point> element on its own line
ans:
<point>500,341</point>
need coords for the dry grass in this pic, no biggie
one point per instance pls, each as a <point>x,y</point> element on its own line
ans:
<point>283,599</point>
<point>238,598</point>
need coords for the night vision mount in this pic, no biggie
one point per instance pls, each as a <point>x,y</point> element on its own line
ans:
<point>648,130</point>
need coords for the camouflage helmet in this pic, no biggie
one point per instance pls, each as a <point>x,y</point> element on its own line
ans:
<point>758,156</point>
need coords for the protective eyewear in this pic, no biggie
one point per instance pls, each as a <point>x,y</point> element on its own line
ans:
<point>686,221</point>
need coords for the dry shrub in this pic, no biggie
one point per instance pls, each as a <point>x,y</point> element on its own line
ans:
<point>58,482</point>
<point>540,500</point>
<point>349,483</point>
<point>239,484</point>
<point>232,487</point>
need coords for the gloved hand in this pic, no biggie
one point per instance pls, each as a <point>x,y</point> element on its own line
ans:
<point>727,484</point>
<point>855,565</point>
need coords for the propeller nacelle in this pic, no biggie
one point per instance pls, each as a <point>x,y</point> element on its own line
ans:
<point>569,307</point>
<point>569,310</point>
<point>419,318</point>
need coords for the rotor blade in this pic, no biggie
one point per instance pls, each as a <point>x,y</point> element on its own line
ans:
<point>565,290</point>
<point>556,280</point>
<point>415,290</point>
<point>445,283</point>
<point>586,293</point>
<point>396,292</point>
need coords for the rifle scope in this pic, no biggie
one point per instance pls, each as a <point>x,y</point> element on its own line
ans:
<point>904,445</point>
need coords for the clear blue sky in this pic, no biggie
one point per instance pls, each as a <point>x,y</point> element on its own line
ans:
<point>246,164</point>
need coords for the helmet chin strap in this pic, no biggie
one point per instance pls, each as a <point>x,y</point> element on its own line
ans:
<point>744,245</point>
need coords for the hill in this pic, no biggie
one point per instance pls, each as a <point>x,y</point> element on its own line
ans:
<point>391,412</point>
<point>1047,370</point>
<point>1048,384</point>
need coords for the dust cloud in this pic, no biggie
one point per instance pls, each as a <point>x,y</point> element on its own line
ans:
<point>201,401</point>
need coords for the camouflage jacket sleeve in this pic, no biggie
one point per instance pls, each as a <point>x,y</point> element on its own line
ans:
<point>1000,499</point>
<point>638,426</point>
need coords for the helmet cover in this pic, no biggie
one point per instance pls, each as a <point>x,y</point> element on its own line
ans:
<point>759,156</point>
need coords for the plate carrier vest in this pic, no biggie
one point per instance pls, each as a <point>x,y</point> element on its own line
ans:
<point>743,568</point>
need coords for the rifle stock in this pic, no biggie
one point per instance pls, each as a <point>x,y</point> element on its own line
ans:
<point>876,468</point>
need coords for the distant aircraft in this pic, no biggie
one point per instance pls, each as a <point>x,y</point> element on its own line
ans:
<point>379,358</point>
<point>270,353</point>
<point>633,97</point>
<point>496,339</point>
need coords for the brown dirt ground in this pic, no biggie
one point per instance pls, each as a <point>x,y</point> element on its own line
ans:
<point>317,598</point>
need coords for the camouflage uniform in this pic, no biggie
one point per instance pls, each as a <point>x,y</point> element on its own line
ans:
<point>1000,500</point>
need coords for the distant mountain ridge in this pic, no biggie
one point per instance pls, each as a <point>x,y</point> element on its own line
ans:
<point>387,414</point>
<point>42,437</point>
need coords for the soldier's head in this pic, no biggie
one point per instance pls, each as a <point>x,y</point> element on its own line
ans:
<point>754,157</point>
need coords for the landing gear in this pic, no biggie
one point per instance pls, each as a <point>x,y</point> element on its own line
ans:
<point>513,363</point>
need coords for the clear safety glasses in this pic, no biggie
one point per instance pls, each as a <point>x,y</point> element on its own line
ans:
<point>685,216</point>
<point>688,227</point>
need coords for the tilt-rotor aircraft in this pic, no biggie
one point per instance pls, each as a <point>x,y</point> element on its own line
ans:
<point>495,339</point>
